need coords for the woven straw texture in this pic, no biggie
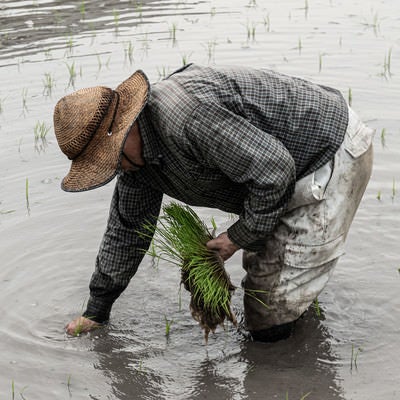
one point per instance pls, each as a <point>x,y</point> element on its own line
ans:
<point>88,135</point>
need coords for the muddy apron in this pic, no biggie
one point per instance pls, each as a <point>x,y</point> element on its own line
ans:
<point>299,257</point>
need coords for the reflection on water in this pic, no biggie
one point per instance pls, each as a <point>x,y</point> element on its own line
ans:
<point>294,366</point>
<point>28,25</point>
<point>49,239</point>
<point>244,370</point>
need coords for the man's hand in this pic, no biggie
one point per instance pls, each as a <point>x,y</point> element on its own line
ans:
<point>223,246</point>
<point>81,325</point>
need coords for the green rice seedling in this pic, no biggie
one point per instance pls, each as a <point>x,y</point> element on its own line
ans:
<point>354,355</point>
<point>145,44</point>
<point>320,62</point>
<point>69,384</point>
<point>21,393</point>
<point>374,24</point>
<point>40,134</point>
<point>379,195</point>
<point>139,9</point>
<point>12,390</point>
<point>80,327</point>
<point>393,189</point>
<point>185,59</point>
<point>99,63</point>
<point>82,9</point>
<point>305,396</point>
<point>93,35</point>
<point>48,83</point>
<point>128,50</point>
<point>350,97</point>
<point>299,45</point>
<point>162,72</point>
<point>306,8</point>
<point>24,100</point>
<point>152,252</point>
<point>210,47</point>
<point>172,32</point>
<point>116,18</point>
<point>168,323</point>
<point>317,308</point>
<point>140,366</point>
<point>251,30</point>
<point>70,44</point>
<point>72,74</point>
<point>387,64</point>
<point>41,130</point>
<point>3,212</point>
<point>267,23</point>
<point>1,105</point>
<point>47,54</point>
<point>181,239</point>
<point>27,196</point>
<point>383,137</point>
<point>301,398</point>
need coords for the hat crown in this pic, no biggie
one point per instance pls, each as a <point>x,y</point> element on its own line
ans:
<point>77,117</point>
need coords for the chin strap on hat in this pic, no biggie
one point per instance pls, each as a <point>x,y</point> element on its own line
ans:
<point>109,130</point>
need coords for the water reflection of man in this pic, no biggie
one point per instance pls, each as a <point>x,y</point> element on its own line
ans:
<point>289,157</point>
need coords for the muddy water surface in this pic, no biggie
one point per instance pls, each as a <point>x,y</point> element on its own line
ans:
<point>49,239</point>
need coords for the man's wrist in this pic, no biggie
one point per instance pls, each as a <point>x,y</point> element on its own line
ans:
<point>97,310</point>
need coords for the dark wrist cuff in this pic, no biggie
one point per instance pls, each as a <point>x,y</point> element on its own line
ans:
<point>97,310</point>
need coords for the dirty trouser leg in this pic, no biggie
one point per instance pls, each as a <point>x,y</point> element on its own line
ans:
<point>300,255</point>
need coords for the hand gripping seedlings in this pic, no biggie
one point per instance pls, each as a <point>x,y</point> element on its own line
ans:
<point>180,238</point>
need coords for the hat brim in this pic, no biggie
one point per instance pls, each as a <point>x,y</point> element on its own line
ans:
<point>98,163</point>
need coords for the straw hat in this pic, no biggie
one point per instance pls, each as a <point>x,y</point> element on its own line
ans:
<point>91,126</point>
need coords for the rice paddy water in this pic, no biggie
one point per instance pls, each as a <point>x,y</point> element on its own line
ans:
<point>152,348</point>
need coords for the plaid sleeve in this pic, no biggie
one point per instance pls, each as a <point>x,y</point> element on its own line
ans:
<point>250,156</point>
<point>121,249</point>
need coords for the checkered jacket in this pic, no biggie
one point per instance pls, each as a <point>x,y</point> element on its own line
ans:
<point>235,139</point>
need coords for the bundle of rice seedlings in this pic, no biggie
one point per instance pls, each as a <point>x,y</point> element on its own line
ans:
<point>180,238</point>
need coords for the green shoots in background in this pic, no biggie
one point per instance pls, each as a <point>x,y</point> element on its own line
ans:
<point>40,134</point>
<point>116,18</point>
<point>48,84</point>
<point>172,32</point>
<point>72,74</point>
<point>82,9</point>
<point>393,189</point>
<point>27,196</point>
<point>350,97</point>
<point>24,99</point>
<point>320,62</point>
<point>354,356</point>
<point>383,137</point>
<point>168,323</point>
<point>69,385</point>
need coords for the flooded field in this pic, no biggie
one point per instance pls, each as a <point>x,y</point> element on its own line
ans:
<point>49,239</point>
